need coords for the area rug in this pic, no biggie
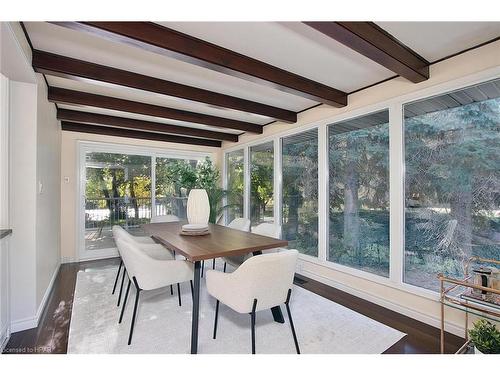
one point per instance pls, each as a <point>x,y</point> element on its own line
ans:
<point>162,326</point>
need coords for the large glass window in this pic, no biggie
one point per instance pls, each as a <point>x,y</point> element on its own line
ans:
<point>452,182</point>
<point>117,192</point>
<point>262,183</point>
<point>174,179</point>
<point>300,191</point>
<point>358,155</point>
<point>235,184</point>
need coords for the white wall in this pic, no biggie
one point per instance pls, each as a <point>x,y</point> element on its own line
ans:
<point>48,205</point>
<point>23,137</point>
<point>34,155</point>
<point>479,64</point>
<point>4,213</point>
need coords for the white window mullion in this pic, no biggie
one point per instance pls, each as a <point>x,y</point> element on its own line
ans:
<point>323,203</point>
<point>224,185</point>
<point>277,183</point>
<point>396,192</point>
<point>153,186</point>
<point>246,183</point>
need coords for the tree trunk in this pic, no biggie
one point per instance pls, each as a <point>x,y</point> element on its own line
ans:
<point>134,199</point>
<point>461,210</point>
<point>351,215</point>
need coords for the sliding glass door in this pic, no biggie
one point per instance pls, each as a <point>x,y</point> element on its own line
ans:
<point>117,192</point>
<point>127,186</point>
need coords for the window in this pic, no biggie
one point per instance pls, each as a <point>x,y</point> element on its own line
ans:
<point>117,192</point>
<point>300,191</point>
<point>452,194</point>
<point>235,184</point>
<point>358,155</point>
<point>174,179</point>
<point>262,183</point>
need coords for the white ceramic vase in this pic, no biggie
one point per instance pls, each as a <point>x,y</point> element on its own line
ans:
<point>198,207</point>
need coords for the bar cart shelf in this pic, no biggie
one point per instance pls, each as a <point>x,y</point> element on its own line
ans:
<point>457,294</point>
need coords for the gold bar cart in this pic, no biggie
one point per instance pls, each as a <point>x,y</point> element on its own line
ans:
<point>452,292</point>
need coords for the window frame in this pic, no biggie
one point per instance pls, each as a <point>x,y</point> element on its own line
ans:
<point>396,178</point>
<point>327,184</point>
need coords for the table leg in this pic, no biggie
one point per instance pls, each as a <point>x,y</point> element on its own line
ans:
<point>276,310</point>
<point>196,308</point>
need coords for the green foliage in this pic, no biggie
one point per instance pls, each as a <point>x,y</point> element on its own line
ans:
<point>261,183</point>
<point>485,336</point>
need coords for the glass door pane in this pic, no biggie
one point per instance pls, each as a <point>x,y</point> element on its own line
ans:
<point>117,192</point>
<point>174,179</point>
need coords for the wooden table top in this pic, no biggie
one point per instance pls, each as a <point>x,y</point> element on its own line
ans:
<point>222,241</point>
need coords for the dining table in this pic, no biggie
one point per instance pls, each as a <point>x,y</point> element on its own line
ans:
<point>220,242</point>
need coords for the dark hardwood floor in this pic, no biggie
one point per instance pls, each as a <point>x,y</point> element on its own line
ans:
<point>51,336</point>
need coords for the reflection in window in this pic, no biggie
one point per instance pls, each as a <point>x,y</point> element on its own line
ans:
<point>300,191</point>
<point>117,192</point>
<point>235,184</point>
<point>452,195</point>
<point>174,179</point>
<point>359,193</point>
<point>261,183</point>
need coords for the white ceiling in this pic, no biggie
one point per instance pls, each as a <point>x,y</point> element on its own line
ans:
<point>435,40</point>
<point>292,46</point>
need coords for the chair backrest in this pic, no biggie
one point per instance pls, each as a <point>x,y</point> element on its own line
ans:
<point>150,273</point>
<point>267,229</point>
<point>136,261</point>
<point>240,224</point>
<point>266,278</point>
<point>164,219</point>
<point>119,232</point>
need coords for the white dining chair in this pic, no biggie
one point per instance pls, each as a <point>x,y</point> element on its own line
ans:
<point>164,219</point>
<point>235,261</point>
<point>147,245</point>
<point>148,273</point>
<point>260,283</point>
<point>267,229</point>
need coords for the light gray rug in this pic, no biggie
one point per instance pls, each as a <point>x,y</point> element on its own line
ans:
<point>162,326</point>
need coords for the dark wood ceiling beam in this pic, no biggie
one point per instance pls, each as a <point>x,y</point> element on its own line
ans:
<point>128,123</point>
<point>65,96</point>
<point>127,133</point>
<point>375,43</point>
<point>66,67</point>
<point>160,39</point>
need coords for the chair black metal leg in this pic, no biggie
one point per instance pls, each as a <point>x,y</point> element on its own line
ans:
<point>202,267</point>
<point>213,264</point>
<point>121,286</point>
<point>225,264</point>
<point>216,318</point>
<point>137,292</point>
<point>117,276</point>
<point>291,321</point>
<point>196,308</point>
<point>252,314</point>
<point>179,293</point>
<point>125,301</point>
<point>171,290</point>
<point>192,293</point>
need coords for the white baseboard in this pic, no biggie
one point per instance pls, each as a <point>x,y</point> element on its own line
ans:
<point>23,324</point>
<point>32,322</point>
<point>422,317</point>
<point>4,337</point>
<point>65,260</point>
<point>47,294</point>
